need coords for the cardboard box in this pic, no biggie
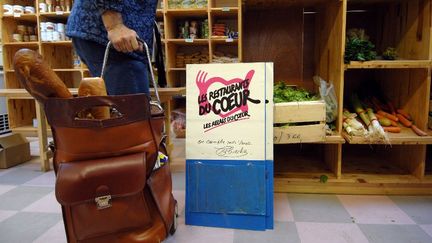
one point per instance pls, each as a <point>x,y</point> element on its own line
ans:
<point>14,149</point>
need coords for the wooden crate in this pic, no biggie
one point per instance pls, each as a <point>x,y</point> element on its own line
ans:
<point>300,112</point>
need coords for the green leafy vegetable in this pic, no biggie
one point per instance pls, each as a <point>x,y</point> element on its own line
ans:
<point>285,93</point>
<point>358,47</point>
<point>390,54</point>
<point>323,178</point>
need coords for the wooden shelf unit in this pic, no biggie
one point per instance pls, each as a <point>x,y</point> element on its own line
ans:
<point>229,11</point>
<point>305,38</point>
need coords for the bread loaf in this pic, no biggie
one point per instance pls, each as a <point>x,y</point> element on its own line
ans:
<point>94,87</point>
<point>37,77</point>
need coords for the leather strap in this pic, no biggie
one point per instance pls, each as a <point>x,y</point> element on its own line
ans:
<point>132,107</point>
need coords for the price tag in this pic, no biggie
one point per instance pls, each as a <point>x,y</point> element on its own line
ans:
<point>229,40</point>
<point>225,9</point>
<point>17,15</point>
<point>190,40</point>
<point>59,12</point>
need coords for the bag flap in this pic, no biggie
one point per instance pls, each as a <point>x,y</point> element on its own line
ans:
<point>82,181</point>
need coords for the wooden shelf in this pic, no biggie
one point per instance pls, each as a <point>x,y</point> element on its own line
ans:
<point>381,64</point>
<point>406,136</point>
<point>334,139</point>
<point>26,130</point>
<point>355,184</point>
<point>57,15</point>
<point>187,41</point>
<point>187,12</point>
<point>224,12</point>
<point>25,17</point>
<point>223,40</point>
<point>58,43</point>
<point>176,69</point>
<point>22,44</point>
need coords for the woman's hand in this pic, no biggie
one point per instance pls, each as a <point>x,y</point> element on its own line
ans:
<point>124,39</point>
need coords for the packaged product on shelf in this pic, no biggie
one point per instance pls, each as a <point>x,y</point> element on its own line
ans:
<point>33,38</point>
<point>219,29</point>
<point>55,36</point>
<point>187,3</point>
<point>205,29</point>
<point>68,5</point>
<point>17,37</point>
<point>7,9</point>
<point>193,29</point>
<point>21,29</point>
<point>76,62</point>
<point>30,30</point>
<point>178,122</point>
<point>173,3</point>
<point>219,57</point>
<point>29,10</point>
<point>43,8</point>
<point>49,4</point>
<point>201,3</point>
<point>18,9</point>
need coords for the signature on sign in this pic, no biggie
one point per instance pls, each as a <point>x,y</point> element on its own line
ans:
<point>231,151</point>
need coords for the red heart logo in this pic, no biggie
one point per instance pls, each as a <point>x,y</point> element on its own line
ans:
<point>238,103</point>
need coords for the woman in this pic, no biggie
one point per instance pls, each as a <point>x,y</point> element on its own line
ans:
<point>93,22</point>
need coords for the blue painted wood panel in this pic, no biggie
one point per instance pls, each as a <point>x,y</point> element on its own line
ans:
<point>234,187</point>
<point>233,194</point>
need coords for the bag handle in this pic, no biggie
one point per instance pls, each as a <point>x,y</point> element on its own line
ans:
<point>107,50</point>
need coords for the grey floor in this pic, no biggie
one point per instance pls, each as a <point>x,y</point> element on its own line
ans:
<point>29,212</point>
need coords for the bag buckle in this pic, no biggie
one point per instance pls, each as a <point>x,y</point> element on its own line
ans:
<point>103,202</point>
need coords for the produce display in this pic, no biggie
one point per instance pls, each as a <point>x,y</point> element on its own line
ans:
<point>358,46</point>
<point>390,54</point>
<point>285,93</point>
<point>375,117</point>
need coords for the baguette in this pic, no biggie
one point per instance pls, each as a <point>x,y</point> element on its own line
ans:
<point>37,77</point>
<point>94,87</point>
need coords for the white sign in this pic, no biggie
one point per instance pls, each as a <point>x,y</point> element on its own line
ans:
<point>229,111</point>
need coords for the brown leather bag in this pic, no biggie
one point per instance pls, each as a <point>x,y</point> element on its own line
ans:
<point>106,182</point>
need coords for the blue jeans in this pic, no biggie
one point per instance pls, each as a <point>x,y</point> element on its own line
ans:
<point>124,74</point>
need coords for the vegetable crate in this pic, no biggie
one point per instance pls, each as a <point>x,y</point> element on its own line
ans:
<point>299,122</point>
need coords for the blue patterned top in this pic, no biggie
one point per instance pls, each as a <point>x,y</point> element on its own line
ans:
<point>85,20</point>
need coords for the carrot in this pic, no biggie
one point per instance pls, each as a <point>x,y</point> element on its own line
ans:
<point>392,129</point>
<point>405,114</point>
<point>404,121</point>
<point>387,115</point>
<point>393,123</point>
<point>418,131</point>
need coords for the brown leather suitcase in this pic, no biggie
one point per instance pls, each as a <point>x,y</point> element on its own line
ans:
<point>106,181</point>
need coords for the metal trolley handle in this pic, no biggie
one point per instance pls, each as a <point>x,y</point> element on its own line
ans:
<point>107,50</point>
